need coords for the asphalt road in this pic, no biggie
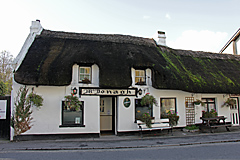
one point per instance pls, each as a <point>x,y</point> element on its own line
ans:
<point>200,151</point>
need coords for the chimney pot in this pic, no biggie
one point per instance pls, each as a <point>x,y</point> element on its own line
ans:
<point>161,38</point>
<point>36,27</point>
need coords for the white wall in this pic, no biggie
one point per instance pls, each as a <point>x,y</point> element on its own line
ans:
<point>126,116</point>
<point>48,119</point>
<point>229,49</point>
<point>238,45</point>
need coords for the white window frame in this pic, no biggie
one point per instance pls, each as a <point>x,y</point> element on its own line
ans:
<point>85,75</point>
<point>140,76</point>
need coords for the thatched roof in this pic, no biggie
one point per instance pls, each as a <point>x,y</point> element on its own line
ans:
<point>50,59</point>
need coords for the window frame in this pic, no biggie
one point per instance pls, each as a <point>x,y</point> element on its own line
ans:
<point>161,104</point>
<point>72,125</point>
<point>139,99</point>
<point>84,74</point>
<point>206,106</point>
<point>144,77</point>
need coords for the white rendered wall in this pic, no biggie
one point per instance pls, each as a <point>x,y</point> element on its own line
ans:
<point>238,46</point>
<point>48,119</point>
<point>229,49</point>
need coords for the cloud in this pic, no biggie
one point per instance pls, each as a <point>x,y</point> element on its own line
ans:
<point>204,40</point>
<point>168,16</point>
<point>146,17</point>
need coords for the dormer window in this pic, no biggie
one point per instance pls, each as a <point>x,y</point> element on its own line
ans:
<point>140,77</point>
<point>85,75</point>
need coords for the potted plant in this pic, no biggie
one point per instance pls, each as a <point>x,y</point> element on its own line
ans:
<point>198,102</point>
<point>86,80</point>
<point>229,102</point>
<point>211,114</point>
<point>72,102</point>
<point>148,100</point>
<point>173,118</point>
<point>147,119</point>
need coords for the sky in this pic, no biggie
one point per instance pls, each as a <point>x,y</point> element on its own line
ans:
<point>199,25</point>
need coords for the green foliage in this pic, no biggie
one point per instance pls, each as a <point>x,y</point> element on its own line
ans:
<point>146,118</point>
<point>197,102</point>
<point>173,118</point>
<point>192,127</point>
<point>35,99</point>
<point>6,70</point>
<point>229,102</point>
<point>148,99</point>
<point>73,102</point>
<point>211,114</point>
<point>3,88</point>
<point>21,121</point>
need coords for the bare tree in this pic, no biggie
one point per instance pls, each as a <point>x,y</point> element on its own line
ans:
<point>6,70</point>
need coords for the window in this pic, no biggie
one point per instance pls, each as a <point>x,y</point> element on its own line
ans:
<point>139,109</point>
<point>167,104</point>
<point>140,77</point>
<point>85,74</point>
<point>71,116</point>
<point>209,104</point>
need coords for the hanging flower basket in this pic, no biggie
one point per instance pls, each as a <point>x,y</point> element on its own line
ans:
<point>198,102</point>
<point>148,100</point>
<point>229,102</point>
<point>72,102</point>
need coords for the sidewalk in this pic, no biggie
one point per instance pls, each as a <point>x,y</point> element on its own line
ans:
<point>116,142</point>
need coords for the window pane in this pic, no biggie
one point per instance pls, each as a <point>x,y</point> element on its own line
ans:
<point>84,72</point>
<point>140,110</point>
<point>139,76</point>
<point>141,73</point>
<point>137,73</point>
<point>81,77</point>
<point>87,70</point>
<point>209,104</point>
<point>167,104</point>
<point>71,115</point>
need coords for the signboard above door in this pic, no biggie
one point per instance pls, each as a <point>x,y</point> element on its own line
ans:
<point>108,92</point>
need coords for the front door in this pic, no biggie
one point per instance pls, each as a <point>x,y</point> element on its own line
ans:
<point>234,113</point>
<point>107,114</point>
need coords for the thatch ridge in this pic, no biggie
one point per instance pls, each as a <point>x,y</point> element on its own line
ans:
<point>118,38</point>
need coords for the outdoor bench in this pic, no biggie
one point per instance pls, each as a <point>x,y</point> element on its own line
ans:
<point>213,123</point>
<point>156,125</point>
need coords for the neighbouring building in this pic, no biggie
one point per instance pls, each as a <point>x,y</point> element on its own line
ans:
<point>233,45</point>
<point>120,70</point>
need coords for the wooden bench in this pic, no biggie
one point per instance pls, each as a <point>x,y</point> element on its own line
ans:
<point>156,125</point>
<point>213,123</point>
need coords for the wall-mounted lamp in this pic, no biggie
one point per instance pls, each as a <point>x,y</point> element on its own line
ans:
<point>140,91</point>
<point>74,90</point>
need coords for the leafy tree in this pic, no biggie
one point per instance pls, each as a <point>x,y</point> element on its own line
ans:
<point>22,119</point>
<point>6,70</point>
<point>3,88</point>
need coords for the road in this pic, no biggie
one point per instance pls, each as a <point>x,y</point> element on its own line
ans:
<point>204,151</point>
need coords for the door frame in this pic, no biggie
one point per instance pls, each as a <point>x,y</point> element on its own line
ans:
<point>114,115</point>
<point>231,113</point>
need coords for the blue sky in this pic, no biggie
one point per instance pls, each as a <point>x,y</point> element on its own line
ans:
<point>189,24</point>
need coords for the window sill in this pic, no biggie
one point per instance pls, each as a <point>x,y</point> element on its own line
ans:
<point>141,84</point>
<point>71,125</point>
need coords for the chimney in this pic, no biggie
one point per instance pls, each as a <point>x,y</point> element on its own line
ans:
<point>161,38</point>
<point>36,27</point>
